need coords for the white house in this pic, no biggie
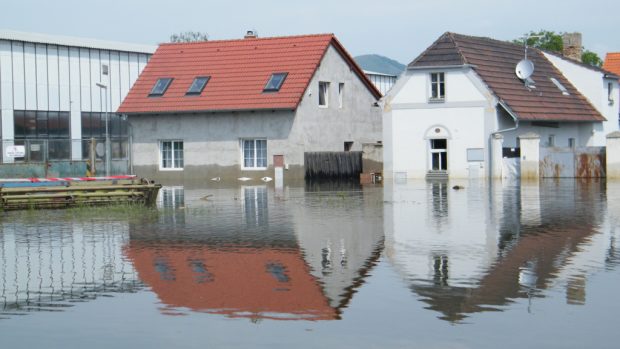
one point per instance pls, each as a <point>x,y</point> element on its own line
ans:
<point>460,108</point>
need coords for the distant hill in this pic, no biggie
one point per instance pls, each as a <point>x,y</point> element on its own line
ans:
<point>380,64</point>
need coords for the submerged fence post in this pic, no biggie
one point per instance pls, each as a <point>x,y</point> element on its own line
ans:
<point>613,155</point>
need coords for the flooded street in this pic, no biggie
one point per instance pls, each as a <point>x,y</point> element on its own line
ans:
<point>404,265</point>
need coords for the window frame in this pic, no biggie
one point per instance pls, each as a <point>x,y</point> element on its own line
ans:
<point>172,158</point>
<point>437,85</point>
<point>255,166</point>
<point>325,94</point>
<point>165,88</point>
<point>189,91</point>
<point>277,87</point>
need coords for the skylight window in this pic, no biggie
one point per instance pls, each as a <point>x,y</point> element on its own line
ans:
<point>275,82</point>
<point>198,85</point>
<point>559,86</point>
<point>160,87</point>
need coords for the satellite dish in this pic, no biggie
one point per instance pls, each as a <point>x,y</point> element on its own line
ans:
<point>524,69</point>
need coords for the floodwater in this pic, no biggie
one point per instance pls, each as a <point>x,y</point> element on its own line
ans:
<point>404,265</point>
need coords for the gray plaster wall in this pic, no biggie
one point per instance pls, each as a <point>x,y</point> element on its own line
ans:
<point>212,141</point>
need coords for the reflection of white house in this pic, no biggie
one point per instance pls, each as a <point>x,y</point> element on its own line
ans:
<point>459,108</point>
<point>514,243</point>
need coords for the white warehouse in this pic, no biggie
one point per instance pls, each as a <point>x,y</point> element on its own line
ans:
<point>55,91</point>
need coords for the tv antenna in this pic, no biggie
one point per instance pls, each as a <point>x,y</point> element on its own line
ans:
<point>525,67</point>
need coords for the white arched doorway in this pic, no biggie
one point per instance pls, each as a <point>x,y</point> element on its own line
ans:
<point>437,138</point>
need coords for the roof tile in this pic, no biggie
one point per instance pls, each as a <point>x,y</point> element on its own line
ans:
<point>495,62</point>
<point>239,70</point>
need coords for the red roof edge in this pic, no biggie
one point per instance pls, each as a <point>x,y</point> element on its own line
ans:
<point>352,64</point>
<point>343,52</point>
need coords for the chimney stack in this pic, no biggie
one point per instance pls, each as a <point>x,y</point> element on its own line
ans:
<point>572,46</point>
<point>250,34</point>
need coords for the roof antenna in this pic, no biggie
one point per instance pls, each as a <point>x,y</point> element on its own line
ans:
<point>525,67</point>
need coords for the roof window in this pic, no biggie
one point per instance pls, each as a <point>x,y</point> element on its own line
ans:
<point>160,87</point>
<point>198,85</point>
<point>275,82</point>
<point>559,86</point>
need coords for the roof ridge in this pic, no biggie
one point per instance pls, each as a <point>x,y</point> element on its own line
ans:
<point>267,38</point>
<point>432,46</point>
<point>458,48</point>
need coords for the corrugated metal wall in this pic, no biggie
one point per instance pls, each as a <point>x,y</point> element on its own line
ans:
<point>35,76</point>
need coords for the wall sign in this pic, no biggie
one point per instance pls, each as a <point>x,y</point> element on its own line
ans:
<point>15,151</point>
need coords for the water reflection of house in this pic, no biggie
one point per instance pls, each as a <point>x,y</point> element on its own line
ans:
<point>514,244</point>
<point>53,263</point>
<point>252,259</point>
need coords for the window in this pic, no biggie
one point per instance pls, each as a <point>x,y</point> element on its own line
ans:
<point>439,154</point>
<point>198,85</point>
<point>571,142</point>
<point>551,141</point>
<point>41,124</point>
<point>254,153</point>
<point>160,87</point>
<point>560,86</point>
<point>323,93</point>
<point>275,82</point>
<point>340,95</point>
<point>610,95</point>
<point>171,155</point>
<point>438,87</point>
<point>348,146</point>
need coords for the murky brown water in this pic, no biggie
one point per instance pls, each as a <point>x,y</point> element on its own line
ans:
<point>407,265</point>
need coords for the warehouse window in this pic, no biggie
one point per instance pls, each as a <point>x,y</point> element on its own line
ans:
<point>275,82</point>
<point>41,124</point>
<point>171,155</point>
<point>254,153</point>
<point>160,87</point>
<point>198,85</point>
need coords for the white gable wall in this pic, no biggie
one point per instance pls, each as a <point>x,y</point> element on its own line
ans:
<point>593,85</point>
<point>465,118</point>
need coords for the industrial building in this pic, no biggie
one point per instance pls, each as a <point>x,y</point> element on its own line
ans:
<point>55,92</point>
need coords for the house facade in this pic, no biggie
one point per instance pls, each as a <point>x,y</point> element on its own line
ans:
<point>234,108</point>
<point>50,100</point>
<point>460,108</point>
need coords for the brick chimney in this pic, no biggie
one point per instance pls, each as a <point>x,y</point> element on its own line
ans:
<point>251,34</point>
<point>572,46</point>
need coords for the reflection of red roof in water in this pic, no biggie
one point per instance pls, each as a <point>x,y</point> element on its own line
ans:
<point>241,282</point>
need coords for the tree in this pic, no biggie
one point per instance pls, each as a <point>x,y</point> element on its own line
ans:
<point>189,36</point>
<point>544,40</point>
<point>552,41</point>
<point>591,58</point>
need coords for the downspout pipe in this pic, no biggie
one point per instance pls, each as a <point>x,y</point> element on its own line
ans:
<point>513,116</point>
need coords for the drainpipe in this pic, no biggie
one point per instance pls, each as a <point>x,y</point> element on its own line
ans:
<point>497,134</point>
<point>514,117</point>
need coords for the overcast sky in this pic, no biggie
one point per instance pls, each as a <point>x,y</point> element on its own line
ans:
<point>399,29</point>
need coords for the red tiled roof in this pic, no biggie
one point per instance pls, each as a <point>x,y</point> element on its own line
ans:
<point>494,61</point>
<point>612,62</point>
<point>239,70</point>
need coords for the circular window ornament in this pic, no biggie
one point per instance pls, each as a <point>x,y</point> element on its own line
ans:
<point>437,130</point>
